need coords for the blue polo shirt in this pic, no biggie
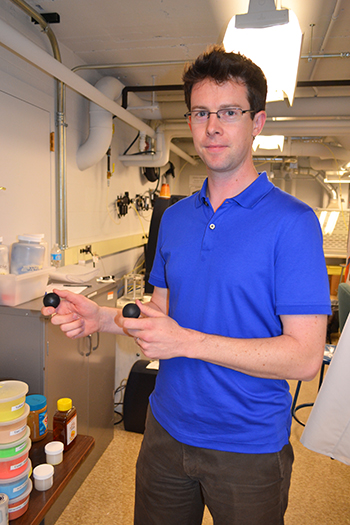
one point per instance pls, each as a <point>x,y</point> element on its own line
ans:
<point>233,273</point>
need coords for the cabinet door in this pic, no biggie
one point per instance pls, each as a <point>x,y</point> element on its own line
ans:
<point>101,384</point>
<point>67,374</point>
<point>101,376</point>
<point>22,348</point>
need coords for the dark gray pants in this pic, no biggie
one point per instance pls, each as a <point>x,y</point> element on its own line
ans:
<point>174,481</point>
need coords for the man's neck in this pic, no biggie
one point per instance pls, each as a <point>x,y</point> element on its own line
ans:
<point>226,186</point>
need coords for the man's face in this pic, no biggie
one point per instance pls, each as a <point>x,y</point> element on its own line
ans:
<point>223,147</point>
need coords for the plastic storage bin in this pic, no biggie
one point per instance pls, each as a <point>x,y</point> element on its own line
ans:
<point>28,254</point>
<point>15,429</point>
<point>14,487</point>
<point>15,465</point>
<point>12,399</point>
<point>11,449</point>
<point>18,506</point>
<point>17,289</point>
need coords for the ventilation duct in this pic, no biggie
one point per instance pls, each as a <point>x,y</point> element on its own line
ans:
<point>164,134</point>
<point>326,154</point>
<point>101,130</point>
<point>101,123</point>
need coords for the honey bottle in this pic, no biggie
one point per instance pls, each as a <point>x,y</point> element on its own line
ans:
<point>65,423</point>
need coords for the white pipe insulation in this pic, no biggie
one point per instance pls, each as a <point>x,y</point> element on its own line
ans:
<point>101,122</point>
<point>307,149</point>
<point>18,43</point>
<point>165,133</point>
<point>101,130</point>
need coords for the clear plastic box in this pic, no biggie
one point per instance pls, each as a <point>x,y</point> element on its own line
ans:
<point>18,289</point>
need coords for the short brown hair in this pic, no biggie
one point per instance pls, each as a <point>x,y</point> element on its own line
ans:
<point>221,66</point>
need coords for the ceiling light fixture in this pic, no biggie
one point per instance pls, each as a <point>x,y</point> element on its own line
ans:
<point>272,39</point>
<point>268,142</point>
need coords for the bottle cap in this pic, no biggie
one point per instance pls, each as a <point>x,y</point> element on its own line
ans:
<point>64,404</point>
<point>36,401</point>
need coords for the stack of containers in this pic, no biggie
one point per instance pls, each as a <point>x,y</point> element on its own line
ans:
<point>15,444</point>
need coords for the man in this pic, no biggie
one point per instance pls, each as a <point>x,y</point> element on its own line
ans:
<point>240,305</point>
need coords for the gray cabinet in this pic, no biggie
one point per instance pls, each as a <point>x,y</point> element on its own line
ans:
<point>35,351</point>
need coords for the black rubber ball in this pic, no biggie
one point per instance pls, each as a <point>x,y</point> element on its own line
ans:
<point>51,299</point>
<point>131,310</point>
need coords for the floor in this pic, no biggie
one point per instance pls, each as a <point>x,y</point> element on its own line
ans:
<point>319,492</point>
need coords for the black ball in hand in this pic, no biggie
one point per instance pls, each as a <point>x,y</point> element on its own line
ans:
<point>51,299</point>
<point>131,310</point>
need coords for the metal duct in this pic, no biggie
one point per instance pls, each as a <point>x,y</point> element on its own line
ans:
<point>165,133</point>
<point>101,122</point>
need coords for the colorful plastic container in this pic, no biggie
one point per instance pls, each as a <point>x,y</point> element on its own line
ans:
<point>15,465</point>
<point>12,449</point>
<point>15,429</point>
<point>12,399</point>
<point>14,487</point>
<point>18,506</point>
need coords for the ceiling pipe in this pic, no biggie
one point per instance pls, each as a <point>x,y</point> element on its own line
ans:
<point>318,127</point>
<point>333,19</point>
<point>308,149</point>
<point>101,131</point>
<point>61,140</point>
<point>18,43</point>
<point>165,133</point>
<point>101,123</point>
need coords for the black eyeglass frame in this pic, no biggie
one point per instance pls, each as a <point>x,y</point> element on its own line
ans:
<point>242,111</point>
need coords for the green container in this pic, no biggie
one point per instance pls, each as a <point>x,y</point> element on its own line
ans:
<point>16,447</point>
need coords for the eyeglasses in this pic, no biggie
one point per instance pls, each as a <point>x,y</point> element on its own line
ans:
<point>227,115</point>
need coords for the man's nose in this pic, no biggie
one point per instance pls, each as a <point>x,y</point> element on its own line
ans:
<point>213,124</point>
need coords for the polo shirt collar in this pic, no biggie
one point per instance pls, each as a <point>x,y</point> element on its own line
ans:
<point>248,198</point>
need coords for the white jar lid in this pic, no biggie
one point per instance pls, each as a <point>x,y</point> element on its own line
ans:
<point>54,447</point>
<point>44,471</point>
<point>31,237</point>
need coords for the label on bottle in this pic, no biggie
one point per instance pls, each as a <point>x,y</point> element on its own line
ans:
<point>42,423</point>
<point>71,430</point>
<point>56,256</point>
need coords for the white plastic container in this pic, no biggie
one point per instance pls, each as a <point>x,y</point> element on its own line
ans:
<point>17,289</point>
<point>4,258</point>
<point>43,476</point>
<point>54,452</point>
<point>28,254</point>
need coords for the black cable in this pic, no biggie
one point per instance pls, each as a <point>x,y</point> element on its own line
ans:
<point>133,142</point>
<point>119,390</point>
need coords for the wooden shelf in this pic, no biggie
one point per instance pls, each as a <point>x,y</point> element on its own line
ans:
<point>40,502</point>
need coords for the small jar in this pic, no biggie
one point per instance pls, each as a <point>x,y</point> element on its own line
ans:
<point>37,418</point>
<point>54,452</point>
<point>43,476</point>
<point>65,423</point>
<point>28,254</point>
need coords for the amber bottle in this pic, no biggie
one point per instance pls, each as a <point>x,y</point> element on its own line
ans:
<point>65,423</point>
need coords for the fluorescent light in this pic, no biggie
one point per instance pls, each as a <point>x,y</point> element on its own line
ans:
<point>268,142</point>
<point>328,220</point>
<point>274,48</point>
<point>338,181</point>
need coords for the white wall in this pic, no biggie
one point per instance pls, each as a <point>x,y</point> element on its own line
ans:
<point>27,116</point>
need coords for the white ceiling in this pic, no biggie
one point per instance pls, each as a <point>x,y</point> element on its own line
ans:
<point>128,32</point>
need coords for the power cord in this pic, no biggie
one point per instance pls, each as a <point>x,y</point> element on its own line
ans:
<point>121,391</point>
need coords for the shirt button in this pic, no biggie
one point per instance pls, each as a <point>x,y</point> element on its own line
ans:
<point>212,226</point>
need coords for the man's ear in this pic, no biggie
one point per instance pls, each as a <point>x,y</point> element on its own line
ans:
<point>258,122</point>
